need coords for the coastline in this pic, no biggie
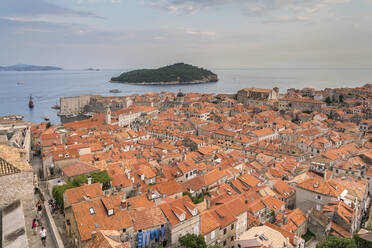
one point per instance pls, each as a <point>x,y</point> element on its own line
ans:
<point>209,79</point>
<point>165,83</point>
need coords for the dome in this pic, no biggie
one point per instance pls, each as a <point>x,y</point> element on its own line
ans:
<point>180,94</point>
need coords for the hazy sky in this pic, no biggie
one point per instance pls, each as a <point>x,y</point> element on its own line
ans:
<point>209,33</point>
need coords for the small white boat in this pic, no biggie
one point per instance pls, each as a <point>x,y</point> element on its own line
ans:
<point>46,118</point>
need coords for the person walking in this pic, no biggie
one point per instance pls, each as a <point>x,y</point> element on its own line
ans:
<point>43,234</point>
<point>38,218</point>
<point>34,226</point>
<point>39,206</point>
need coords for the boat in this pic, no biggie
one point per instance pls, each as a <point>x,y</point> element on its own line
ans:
<point>46,118</point>
<point>56,106</point>
<point>115,91</point>
<point>20,83</point>
<point>30,102</point>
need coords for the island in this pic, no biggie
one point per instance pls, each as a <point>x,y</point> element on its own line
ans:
<point>24,67</point>
<point>92,69</point>
<point>179,73</point>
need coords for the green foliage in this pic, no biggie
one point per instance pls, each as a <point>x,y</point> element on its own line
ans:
<point>362,243</point>
<point>48,125</point>
<point>195,200</point>
<point>328,100</point>
<point>193,241</point>
<point>307,111</point>
<point>58,193</point>
<point>178,72</point>
<point>335,242</point>
<point>308,235</point>
<point>97,177</point>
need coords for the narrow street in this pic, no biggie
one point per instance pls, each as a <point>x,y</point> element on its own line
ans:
<point>34,240</point>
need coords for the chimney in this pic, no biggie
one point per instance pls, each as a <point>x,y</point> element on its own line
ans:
<point>132,179</point>
<point>94,234</point>
<point>208,201</point>
<point>128,206</point>
<point>285,220</point>
<point>123,204</point>
<point>89,180</point>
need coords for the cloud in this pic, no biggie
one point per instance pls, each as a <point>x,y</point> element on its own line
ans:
<point>27,9</point>
<point>298,8</point>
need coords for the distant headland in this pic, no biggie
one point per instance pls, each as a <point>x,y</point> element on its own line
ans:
<point>23,67</point>
<point>179,73</point>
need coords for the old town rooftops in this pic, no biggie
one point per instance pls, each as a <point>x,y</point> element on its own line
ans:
<point>77,169</point>
<point>178,210</point>
<point>93,215</point>
<point>330,188</point>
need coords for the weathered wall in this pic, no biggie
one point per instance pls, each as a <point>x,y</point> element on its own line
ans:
<point>306,200</point>
<point>191,226</point>
<point>17,186</point>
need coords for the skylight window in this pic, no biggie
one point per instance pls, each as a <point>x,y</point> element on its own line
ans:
<point>91,210</point>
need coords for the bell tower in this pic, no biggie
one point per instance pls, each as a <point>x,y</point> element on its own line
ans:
<point>108,115</point>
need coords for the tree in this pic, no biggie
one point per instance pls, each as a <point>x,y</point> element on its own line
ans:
<point>335,242</point>
<point>362,243</point>
<point>193,241</point>
<point>48,125</point>
<point>195,200</point>
<point>328,100</point>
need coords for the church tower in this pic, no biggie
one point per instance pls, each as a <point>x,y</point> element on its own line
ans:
<point>108,115</point>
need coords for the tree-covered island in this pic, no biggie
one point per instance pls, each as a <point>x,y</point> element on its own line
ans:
<point>179,73</point>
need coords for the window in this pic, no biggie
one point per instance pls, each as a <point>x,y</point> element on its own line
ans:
<point>91,210</point>
<point>124,230</point>
<point>232,226</point>
<point>318,207</point>
<point>232,238</point>
<point>213,234</point>
<point>224,243</point>
<point>319,197</point>
<point>224,231</point>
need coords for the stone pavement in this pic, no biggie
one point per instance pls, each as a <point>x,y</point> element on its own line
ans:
<point>34,240</point>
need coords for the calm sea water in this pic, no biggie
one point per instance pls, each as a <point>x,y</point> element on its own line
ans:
<point>47,87</point>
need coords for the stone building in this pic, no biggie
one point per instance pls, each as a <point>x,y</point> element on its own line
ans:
<point>301,103</point>
<point>16,195</point>
<point>257,96</point>
<point>315,193</point>
<point>74,105</point>
<point>183,218</point>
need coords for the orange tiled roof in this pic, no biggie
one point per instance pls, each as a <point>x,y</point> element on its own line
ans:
<point>77,169</point>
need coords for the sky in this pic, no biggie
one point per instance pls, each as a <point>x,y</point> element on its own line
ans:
<point>116,34</point>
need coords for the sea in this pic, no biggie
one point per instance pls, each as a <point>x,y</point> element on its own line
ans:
<point>46,87</point>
